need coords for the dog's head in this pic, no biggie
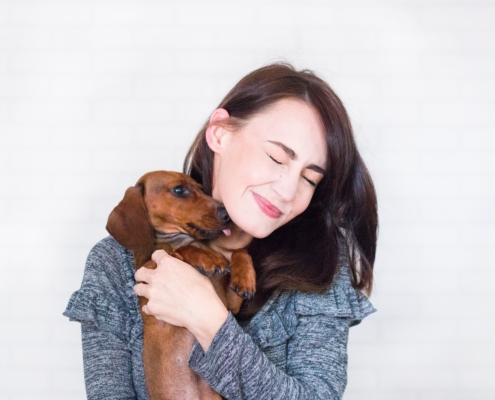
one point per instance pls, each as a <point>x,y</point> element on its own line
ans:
<point>166,203</point>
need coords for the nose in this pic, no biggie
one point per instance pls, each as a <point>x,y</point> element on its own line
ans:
<point>286,187</point>
<point>223,215</point>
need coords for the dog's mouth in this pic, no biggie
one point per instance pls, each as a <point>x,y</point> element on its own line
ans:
<point>206,234</point>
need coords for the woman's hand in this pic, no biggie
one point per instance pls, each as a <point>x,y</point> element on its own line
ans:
<point>179,295</point>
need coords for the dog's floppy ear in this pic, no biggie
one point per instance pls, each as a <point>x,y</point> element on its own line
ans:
<point>129,223</point>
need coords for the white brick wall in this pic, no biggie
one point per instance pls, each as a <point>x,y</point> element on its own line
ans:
<point>95,93</point>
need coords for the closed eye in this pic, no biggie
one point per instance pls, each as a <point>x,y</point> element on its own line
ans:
<point>278,162</point>
<point>312,183</point>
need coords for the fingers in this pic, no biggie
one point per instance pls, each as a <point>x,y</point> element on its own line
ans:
<point>158,255</point>
<point>141,289</point>
<point>143,274</point>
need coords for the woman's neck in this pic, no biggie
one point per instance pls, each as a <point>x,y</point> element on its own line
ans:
<point>238,239</point>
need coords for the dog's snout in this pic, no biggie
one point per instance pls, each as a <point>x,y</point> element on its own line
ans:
<point>223,215</point>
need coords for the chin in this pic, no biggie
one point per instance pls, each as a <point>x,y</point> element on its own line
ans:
<point>258,232</point>
<point>261,235</point>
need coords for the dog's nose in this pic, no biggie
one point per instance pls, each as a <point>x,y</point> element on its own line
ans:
<point>222,214</point>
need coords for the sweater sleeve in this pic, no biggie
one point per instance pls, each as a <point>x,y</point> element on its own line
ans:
<point>316,365</point>
<point>100,306</point>
<point>236,368</point>
<point>107,365</point>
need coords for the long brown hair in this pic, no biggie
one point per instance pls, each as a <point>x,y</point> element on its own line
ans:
<point>342,216</point>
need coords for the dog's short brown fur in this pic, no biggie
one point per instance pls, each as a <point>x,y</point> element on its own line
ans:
<point>168,210</point>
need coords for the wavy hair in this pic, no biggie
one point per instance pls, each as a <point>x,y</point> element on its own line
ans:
<point>341,219</point>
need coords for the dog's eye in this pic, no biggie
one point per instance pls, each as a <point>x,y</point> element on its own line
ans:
<point>180,191</point>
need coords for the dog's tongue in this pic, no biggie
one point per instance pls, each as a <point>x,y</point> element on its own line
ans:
<point>226,232</point>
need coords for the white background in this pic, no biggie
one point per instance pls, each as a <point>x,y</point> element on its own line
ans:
<point>95,93</point>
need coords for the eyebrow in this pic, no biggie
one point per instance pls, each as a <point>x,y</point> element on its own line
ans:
<point>291,153</point>
<point>293,156</point>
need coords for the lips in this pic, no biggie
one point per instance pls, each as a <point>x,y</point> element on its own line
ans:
<point>268,208</point>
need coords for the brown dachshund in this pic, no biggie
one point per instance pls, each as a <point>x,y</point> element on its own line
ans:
<point>169,211</point>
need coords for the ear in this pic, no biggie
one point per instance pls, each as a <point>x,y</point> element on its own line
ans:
<point>215,132</point>
<point>129,223</point>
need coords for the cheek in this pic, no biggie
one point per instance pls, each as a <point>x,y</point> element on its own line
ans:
<point>247,169</point>
<point>301,203</point>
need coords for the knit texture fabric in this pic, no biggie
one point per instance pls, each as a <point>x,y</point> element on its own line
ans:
<point>295,347</point>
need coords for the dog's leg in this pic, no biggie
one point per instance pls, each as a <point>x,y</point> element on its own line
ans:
<point>242,280</point>
<point>207,261</point>
<point>242,274</point>
<point>166,349</point>
<point>206,392</point>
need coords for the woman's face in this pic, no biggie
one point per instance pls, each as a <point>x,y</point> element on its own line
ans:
<point>265,173</point>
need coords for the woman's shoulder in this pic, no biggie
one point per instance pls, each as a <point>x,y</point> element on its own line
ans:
<point>106,287</point>
<point>340,300</point>
<point>107,250</point>
<point>280,316</point>
<point>109,265</point>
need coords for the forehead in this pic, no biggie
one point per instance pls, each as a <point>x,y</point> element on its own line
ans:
<point>157,181</point>
<point>295,124</point>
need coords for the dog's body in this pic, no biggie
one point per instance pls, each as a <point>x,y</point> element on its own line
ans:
<point>168,210</point>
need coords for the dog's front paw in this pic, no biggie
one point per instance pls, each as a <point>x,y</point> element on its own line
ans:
<point>213,265</point>
<point>207,262</point>
<point>243,288</point>
<point>243,275</point>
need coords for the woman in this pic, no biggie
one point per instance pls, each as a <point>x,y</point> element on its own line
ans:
<point>279,153</point>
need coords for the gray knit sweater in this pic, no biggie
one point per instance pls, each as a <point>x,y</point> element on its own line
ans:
<point>295,347</point>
